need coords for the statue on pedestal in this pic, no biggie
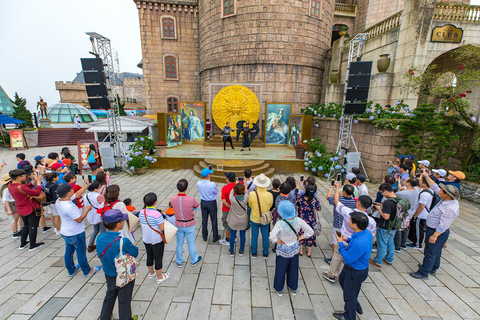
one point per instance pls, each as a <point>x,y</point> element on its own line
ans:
<point>43,108</point>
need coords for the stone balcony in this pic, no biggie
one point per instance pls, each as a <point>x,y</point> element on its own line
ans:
<point>345,10</point>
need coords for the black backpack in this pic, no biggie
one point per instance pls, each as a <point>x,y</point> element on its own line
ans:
<point>435,200</point>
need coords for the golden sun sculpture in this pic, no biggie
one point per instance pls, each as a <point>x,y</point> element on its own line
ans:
<point>235,103</point>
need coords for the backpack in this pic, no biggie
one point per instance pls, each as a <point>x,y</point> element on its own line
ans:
<point>402,218</point>
<point>106,207</point>
<point>51,193</point>
<point>435,200</point>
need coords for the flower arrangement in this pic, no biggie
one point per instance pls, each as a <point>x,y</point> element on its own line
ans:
<point>300,146</point>
<point>143,143</point>
<point>320,161</point>
<point>136,160</point>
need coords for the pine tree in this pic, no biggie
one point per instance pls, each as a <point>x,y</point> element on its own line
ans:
<point>426,135</point>
<point>21,112</point>
<point>121,106</point>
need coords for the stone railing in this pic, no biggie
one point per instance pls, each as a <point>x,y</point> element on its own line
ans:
<point>457,12</point>
<point>345,10</point>
<point>388,24</point>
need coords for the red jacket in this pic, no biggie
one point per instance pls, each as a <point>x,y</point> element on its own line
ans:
<point>23,203</point>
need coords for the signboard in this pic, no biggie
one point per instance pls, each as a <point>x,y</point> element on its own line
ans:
<point>83,148</point>
<point>447,33</point>
<point>17,139</point>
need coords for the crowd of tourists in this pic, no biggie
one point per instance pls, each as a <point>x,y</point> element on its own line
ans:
<point>413,209</point>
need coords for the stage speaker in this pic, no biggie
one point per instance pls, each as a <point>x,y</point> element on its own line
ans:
<point>352,160</point>
<point>92,64</point>
<point>99,103</point>
<point>108,157</point>
<point>96,91</point>
<point>359,81</point>
<point>94,77</point>
<point>357,94</point>
<point>360,67</point>
<point>355,108</point>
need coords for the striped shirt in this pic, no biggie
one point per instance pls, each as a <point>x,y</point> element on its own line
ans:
<point>442,216</point>
<point>349,202</point>
<point>155,218</point>
<point>346,212</point>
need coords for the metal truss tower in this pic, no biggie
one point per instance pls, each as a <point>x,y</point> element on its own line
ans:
<point>346,121</point>
<point>101,48</point>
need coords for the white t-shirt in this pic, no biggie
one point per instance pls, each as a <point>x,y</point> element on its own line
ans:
<point>363,190</point>
<point>7,196</point>
<point>68,212</point>
<point>124,232</point>
<point>91,199</point>
<point>425,198</point>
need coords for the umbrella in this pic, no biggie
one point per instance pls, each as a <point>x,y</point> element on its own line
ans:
<point>7,120</point>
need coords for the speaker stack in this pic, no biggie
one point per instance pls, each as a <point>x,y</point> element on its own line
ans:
<point>358,87</point>
<point>95,83</point>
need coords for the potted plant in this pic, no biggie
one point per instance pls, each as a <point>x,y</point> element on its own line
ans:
<point>343,31</point>
<point>300,151</point>
<point>161,148</point>
<point>138,162</point>
<point>145,144</point>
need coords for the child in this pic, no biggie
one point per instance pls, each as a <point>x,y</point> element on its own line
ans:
<point>362,187</point>
<point>128,204</point>
<point>170,214</point>
<point>51,193</point>
<point>10,207</point>
<point>92,156</point>
<point>285,234</point>
<point>57,167</point>
<point>52,159</point>
<point>151,221</point>
<point>21,161</point>
<point>71,179</point>
<point>39,162</point>
<point>108,247</point>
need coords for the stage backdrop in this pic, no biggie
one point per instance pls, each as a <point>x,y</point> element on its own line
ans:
<point>276,123</point>
<point>300,129</point>
<point>170,128</point>
<point>193,122</point>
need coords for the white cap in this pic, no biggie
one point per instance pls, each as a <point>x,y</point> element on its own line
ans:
<point>426,163</point>
<point>350,176</point>
<point>442,173</point>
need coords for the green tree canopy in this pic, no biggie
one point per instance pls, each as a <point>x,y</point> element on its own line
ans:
<point>21,112</point>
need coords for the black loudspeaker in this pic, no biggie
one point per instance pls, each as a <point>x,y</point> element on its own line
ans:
<point>357,94</point>
<point>92,64</point>
<point>360,67</point>
<point>94,77</point>
<point>99,103</point>
<point>96,91</point>
<point>359,81</point>
<point>355,108</point>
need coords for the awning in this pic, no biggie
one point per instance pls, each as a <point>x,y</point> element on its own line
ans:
<point>128,125</point>
<point>125,129</point>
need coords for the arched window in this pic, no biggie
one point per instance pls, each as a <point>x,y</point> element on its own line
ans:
<point>171,71</point>
<point>168,28</point>
<point>172,104</point>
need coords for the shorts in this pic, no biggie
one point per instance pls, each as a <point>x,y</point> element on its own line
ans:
<point>224,220</point>
<point>334,240</point>
<point>52,209</point>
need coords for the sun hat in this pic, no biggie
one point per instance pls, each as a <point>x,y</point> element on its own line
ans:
<point>38,158</point>
<point>286,209</point>
<point>5,179</point>
<point>63,189</point>
<point>459,174</point>
<point>451,190</point>
<point>262,181</point>
<point>205,172</point>
<point>350,176</point>
<point>230,176</point>
<point>56,166</point>
<point>426,163</point>
<point>114,215</point>
<point>442,173</point>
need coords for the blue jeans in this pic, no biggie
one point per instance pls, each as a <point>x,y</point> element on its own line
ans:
<point>264,231</point>
<point>79,244</point>
<point>233,235</point>
<point>97,229</point>
<point>385,246</point>
<point>433,252</point>
<point>189,233</point>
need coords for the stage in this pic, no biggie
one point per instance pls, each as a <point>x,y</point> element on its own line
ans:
<point>267,160</point>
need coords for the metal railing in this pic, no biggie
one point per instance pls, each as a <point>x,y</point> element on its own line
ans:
<point>383,26</point>
<point>345,10</point>
<point>457,12</point>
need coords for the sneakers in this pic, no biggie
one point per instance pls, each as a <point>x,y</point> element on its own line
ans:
<point>77,268</point>
<point>398,250</point>
<point>294,292</point>
<point>216,239</point>
<point>16,235</point>
<point>24,246</point>
<point>38,245</point>
<point>328,278</point>
<point>45,229</point>
<point>417,275</point>
<point>95,270</point>
<point>165,276</point>
<point>224,242</point>
<point>91,248</point>
<point>254,256</point>
<point>179,265</point>
<point>279,293</point>
<point>327,260</point>
<point>403,248</point>
<point>232,254</point>
<point>413,246</point>
<point>199,259</point>
<point>56,231</point>
<point>374,247</point>
<point>373,263</point>
<point>240,253</point>
<point>265,256</point>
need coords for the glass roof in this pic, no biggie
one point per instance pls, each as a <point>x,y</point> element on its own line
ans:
<point>6,106</point>
<point>65,112</point>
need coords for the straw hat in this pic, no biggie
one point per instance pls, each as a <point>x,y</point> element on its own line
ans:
<point>262,181</point>
<point>5,179</point>
<point>170,230</point>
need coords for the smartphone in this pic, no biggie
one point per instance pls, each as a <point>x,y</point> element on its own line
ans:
<point>89,178</point>
<point>210,167</point>
<point>83,177</point>
<point>302,177</point>
<point>240,179</point>
<point>332,183</point>
<point>338,233</point>
<point>387,162</point>
<point>339,177</point>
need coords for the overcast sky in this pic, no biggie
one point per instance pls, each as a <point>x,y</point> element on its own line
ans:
<point>42,41</point>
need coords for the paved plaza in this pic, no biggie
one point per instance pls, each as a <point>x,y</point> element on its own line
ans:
<point>35,285</point>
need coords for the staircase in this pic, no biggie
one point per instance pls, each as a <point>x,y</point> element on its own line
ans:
<point>235,166</point>
<point>217,141</point>
<point>62,137</point>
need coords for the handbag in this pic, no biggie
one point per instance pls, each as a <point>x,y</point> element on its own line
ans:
<point>41,198</point>
<point>265,217</point>
<point>125,265</point>
<point>167,227</point>
<point>317,227</point>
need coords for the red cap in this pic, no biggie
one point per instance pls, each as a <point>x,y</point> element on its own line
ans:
<point>55,166</point>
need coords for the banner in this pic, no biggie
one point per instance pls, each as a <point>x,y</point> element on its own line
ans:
<point>16,139</point>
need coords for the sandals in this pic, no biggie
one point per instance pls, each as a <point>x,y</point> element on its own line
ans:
<point>165,276</point>
<point>151,276</point>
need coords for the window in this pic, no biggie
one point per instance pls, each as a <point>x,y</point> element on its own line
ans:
<point>172,104</point>
<point>171,71</point>
<point>228,7</point>
<point>168,25</point>
<point>315,8</point>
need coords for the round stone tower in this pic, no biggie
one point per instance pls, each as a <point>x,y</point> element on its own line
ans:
<point>280,44</point>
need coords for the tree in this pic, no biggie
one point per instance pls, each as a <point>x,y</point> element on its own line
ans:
<point>21,112</point>
<point>452,83</point>
<point>121,106</point>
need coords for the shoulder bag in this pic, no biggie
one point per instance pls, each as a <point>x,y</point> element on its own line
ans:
<point>125,265</point>
<point>167,227</point>
<point>265,217</point>
<point>162,234</point>
<point>317,227</point>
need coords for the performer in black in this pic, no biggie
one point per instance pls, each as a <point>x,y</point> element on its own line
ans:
<point>226,135</point>
<point>254,132</point>
<point>246,137</point>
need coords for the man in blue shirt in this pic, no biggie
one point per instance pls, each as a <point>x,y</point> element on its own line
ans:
<point>108,247</point>
<point>208,194</point>
<point>356,258</point>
